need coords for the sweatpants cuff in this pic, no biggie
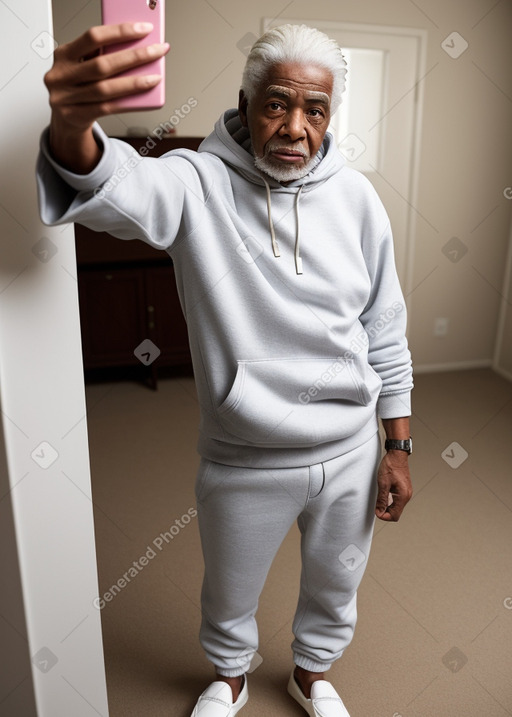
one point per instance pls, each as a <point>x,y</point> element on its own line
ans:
<point>311,665</point>
<point>235,672</point>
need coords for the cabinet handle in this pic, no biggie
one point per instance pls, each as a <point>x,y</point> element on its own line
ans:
<point>151,311</point>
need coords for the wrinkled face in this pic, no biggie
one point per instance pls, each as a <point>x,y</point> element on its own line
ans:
<point>287,119</point>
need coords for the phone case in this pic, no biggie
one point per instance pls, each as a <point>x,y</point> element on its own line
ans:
<point>116,11</point>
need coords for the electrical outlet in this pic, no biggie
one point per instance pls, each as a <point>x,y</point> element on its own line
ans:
<point>441,326</point>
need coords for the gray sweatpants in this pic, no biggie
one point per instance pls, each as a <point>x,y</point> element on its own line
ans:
<point>245,513</point>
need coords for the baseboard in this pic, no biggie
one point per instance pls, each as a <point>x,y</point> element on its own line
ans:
<point>452,366</point>
<point>502,372</point>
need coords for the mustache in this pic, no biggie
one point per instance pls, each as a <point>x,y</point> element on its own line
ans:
<point>280,147</point>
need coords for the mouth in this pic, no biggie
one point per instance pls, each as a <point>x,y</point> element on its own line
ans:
<point>290,156</point>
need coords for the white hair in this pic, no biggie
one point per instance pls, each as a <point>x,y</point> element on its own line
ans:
<point>295,43</point>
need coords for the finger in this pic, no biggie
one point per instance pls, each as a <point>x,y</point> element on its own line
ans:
<point>100,36</point>
<point>388,517</point>
<point>394,509</point>
<point>114,63</point>
<point>84,114</point>
<point>90,113</point>
<point>102,101</point>
<point>383,497</point>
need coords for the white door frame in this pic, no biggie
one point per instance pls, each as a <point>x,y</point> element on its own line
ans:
<point>51,641</point>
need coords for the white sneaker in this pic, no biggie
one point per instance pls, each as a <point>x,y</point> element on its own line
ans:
<point>217,701</point>
<point>324,702</point>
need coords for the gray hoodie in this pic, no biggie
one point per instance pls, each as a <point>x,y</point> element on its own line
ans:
<point>295,315</point>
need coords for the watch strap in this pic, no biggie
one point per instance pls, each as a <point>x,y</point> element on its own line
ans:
<point>393,444</point>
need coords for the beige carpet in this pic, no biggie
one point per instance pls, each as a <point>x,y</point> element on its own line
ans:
<point>434,636</point>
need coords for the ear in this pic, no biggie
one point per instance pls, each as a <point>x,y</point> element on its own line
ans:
<point>242,107</point>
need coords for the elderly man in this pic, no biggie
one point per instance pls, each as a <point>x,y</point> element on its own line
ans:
<point>284,264</point>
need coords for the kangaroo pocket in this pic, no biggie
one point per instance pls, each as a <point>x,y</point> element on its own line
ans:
<point>298,402</point>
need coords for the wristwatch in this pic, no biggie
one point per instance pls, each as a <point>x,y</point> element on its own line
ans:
<point>392,444</point>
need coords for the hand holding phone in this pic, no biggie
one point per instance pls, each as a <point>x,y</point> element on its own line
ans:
<point>83,87</point>
<point>152,11</point>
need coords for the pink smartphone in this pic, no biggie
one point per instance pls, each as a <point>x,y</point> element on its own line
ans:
<point>153,11</point>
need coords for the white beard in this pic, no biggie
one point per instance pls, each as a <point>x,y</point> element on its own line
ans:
<point>283,174</point>
<point>280,171</point>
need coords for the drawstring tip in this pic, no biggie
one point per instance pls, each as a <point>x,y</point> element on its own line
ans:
<point>298,265</point>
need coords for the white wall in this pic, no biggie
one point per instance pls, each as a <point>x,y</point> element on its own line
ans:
<point>466,148</point>
<point>51,645</point>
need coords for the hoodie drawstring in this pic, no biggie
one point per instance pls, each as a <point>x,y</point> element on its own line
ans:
<point>275,246</point>
<point>298,259</point>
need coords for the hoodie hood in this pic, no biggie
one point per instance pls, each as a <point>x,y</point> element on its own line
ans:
<point>231,142</point>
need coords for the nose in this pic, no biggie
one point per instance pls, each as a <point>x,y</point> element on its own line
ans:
<point>293,126</point>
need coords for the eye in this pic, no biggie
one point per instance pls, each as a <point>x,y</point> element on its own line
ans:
<point>316,112</point>
<point>274,106</point>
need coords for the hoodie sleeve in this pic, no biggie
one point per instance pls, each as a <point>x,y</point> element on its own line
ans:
<point>130,196</point>
<point>384,320</point>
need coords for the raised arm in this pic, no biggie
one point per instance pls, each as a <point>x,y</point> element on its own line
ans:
<point>83,86</point>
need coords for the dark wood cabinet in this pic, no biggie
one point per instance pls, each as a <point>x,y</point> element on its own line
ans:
<point>127,296</point>
<point>167,327</point>
<point>113,316</point>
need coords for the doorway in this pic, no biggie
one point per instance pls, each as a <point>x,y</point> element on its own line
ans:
<point>378,125</point>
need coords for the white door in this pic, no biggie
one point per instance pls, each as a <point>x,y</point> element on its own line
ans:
<point>377,126</point>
